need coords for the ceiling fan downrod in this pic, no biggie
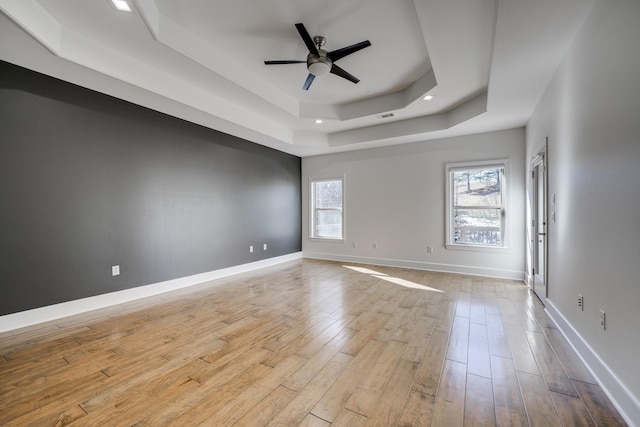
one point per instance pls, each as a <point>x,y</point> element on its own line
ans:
<point>319,41</point>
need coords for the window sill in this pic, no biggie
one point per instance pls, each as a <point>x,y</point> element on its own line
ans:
<point>326,239</point>
<point>478,248</point>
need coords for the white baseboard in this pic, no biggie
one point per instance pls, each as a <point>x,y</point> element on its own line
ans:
<point>625,402</point>
<point>419,265</point>
<point>52,312</point>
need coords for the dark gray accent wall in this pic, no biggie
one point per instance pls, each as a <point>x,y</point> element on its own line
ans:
<point>88,181</point>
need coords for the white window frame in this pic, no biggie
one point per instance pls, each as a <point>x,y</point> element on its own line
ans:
<point>505,215</point>
<point>312,209</point>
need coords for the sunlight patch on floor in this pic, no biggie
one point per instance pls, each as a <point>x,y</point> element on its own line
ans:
<point>391,279</point>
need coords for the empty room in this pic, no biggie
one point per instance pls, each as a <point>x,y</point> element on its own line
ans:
<point>283,213</point>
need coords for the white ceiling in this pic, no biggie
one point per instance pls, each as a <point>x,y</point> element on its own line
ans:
<point>486,61</point>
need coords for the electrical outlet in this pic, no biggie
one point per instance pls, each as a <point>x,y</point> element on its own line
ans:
<point>430,249</point>
<point>115,270</point>
<point>264,247</point>
<point>375,246</point>
<point>355,244</point>
<point>603,320</point>
<point>581,302</point>
<point>250,249</point>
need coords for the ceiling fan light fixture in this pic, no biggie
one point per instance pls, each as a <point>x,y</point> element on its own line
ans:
<point>319,68</point>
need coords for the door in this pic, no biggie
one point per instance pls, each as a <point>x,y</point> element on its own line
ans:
<point>539,225</point>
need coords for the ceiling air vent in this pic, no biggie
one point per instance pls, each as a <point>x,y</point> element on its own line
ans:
<point>386,115</point>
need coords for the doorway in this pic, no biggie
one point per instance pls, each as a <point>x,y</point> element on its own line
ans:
<point>539,224</point>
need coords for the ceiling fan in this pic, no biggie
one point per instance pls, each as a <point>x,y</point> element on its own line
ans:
<point>319,61</point>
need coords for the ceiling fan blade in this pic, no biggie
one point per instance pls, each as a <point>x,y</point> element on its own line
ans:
<point>341,53</point>
<point>308,82</point>
<point>308,41</point>
<point>283,62</point>
<point>342,73</point>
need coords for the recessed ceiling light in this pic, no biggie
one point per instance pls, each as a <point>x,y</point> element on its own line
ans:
<point>429,97</point>
<point>121,5</point>
<point>318,121</point>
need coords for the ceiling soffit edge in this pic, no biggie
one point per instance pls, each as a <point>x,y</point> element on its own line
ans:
<point>169,33</point>
<point>372,106</point>
<point>36,21</point>
<point>418,125</point>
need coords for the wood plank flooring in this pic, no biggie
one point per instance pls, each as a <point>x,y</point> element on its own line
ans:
<point>310,343</point>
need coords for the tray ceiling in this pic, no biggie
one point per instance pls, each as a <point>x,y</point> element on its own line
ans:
<point>487,63</point>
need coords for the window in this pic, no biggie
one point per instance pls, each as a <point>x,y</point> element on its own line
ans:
<point>326,208</point>
<point>476,213</point>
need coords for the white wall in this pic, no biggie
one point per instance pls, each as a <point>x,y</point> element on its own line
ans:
<point>591,114</point>
<point>395,197</point>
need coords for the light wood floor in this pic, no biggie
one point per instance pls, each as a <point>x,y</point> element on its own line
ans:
<point>308,343</point>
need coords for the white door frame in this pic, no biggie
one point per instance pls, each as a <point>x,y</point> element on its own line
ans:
<point>539,259</point>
